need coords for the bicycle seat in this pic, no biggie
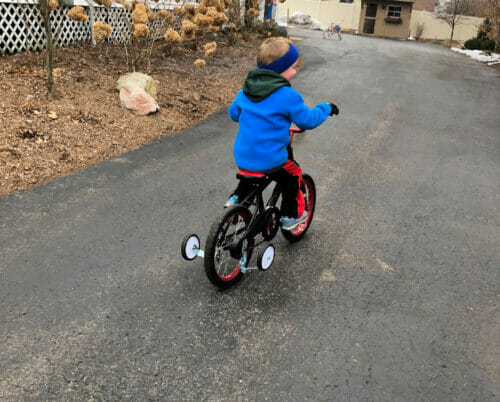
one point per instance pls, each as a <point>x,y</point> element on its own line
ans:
<point>254,176</point>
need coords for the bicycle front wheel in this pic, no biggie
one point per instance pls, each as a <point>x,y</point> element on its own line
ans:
<point>308,189</point>
<point>221,269</point>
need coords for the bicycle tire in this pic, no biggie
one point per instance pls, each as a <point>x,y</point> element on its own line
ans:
<point>308,188</point>
<point>224,278</point>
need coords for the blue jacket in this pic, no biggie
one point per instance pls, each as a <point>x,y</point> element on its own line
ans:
<point>263,136</point>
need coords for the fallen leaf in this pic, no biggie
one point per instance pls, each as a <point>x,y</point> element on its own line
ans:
<point>58,72</point>
<point>52,115</point>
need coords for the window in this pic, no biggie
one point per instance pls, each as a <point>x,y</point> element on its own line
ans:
<point>371,10</point>
<point>394,12</point>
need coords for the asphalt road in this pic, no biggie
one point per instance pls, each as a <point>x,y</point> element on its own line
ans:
<point>392,295</point>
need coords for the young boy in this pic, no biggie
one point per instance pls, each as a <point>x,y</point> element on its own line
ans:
<point>336,29</point>
<point>265,109</point>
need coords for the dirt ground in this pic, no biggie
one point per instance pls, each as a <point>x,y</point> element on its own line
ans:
<point>42,139</point>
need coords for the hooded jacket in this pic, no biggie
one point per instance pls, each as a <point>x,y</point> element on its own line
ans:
<point>265,109</point>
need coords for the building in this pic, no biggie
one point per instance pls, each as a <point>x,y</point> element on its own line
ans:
<point>390,18</point>
<point>425,5</point>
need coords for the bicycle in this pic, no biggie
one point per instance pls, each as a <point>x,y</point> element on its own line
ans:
<point>332,30</point>
<point>231,239</point>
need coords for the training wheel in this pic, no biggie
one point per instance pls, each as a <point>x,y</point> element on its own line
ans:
<point>190,247</point>
<point>266,258</point>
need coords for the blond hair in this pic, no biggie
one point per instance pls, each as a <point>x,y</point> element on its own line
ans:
<point>272,49</point>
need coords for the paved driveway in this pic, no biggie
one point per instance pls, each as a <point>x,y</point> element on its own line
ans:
<point>393,295</point>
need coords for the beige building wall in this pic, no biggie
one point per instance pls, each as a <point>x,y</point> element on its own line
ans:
<point>326,12</point>
<point>435,28</point>
<point>347,15</point>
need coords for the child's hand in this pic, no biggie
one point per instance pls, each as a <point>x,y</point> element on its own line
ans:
<point>335,109</point>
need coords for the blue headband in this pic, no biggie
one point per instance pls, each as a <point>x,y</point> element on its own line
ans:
<point>284,62</point>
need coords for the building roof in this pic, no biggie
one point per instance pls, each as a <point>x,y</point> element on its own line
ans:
<point>398,1</point>
<point>424,5</point>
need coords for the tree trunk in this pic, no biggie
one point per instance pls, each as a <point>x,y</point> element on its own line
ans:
<point>248,6</point>
<point>49,47</point>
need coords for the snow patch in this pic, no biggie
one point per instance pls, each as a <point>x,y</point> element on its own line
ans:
<point>281,20</point>
<point>302,19</point>
<point>479,55</point>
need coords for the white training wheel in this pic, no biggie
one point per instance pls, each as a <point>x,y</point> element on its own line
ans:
<point>190,247</point>
<point>266,258</point>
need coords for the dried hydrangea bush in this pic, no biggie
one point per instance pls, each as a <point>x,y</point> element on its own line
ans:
<point>84,123</point>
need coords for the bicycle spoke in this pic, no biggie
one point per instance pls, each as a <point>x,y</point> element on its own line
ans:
<point>232,230</point>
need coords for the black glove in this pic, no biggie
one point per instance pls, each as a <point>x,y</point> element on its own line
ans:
<point>335,109</point>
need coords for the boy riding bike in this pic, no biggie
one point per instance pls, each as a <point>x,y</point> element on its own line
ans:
<point>265,109</point>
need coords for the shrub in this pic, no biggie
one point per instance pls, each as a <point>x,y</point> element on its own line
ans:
<point>488,45</point>
<point>489,29</point>
<point>484,29</point>
<point>473,44</point>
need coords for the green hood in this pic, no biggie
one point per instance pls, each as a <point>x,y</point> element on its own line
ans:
<point>260,83</point>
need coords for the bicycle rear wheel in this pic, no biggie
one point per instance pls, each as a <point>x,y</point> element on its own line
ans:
<point>221,269</point>
<point>308,189</point>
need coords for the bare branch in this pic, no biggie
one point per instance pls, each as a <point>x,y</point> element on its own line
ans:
<point>452,10</point>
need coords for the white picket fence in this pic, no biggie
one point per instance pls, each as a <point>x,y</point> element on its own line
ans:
<point>22,27</point>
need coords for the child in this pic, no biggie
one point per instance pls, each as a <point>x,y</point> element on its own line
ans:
<point>336,29</point>
<point>265,108</point>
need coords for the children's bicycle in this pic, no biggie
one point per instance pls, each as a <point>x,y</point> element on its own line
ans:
<point>241,228</point>
<point>331,31</point>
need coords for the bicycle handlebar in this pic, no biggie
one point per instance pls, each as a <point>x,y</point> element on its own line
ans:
<point>295,131</point>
